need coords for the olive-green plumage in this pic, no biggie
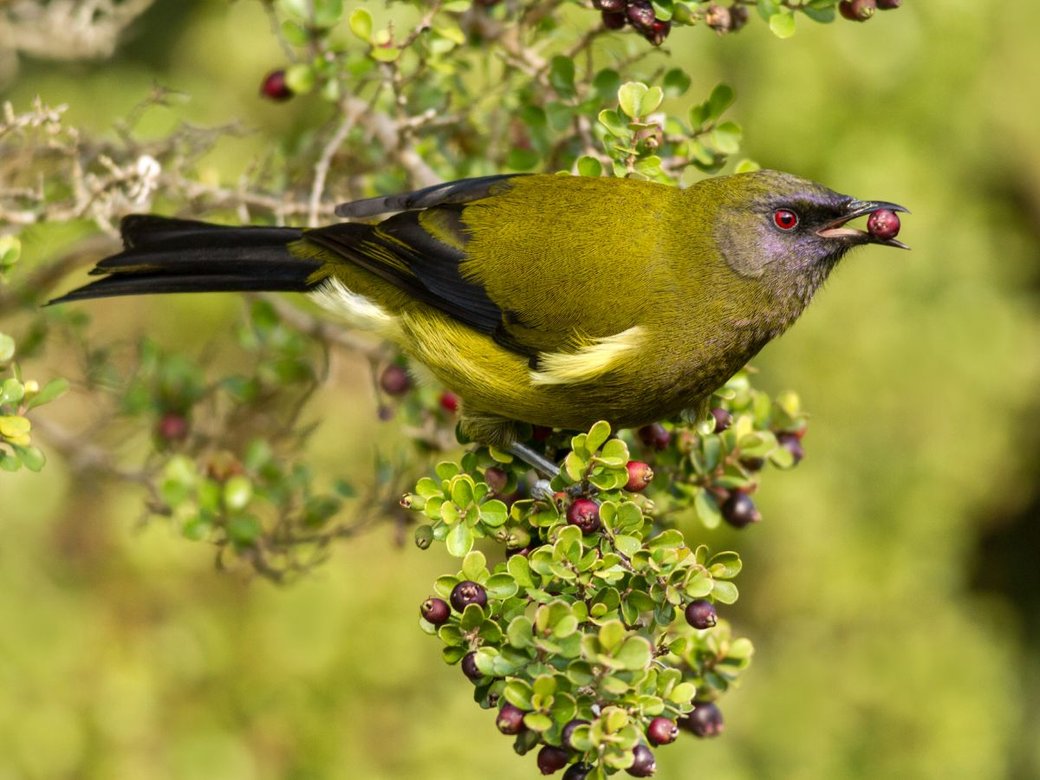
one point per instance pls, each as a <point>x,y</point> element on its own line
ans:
<point>551,300</point>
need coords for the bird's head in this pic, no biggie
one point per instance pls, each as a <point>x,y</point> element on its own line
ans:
<point>789,232</point>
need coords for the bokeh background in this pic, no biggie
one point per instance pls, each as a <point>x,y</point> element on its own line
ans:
<point>893,593</point>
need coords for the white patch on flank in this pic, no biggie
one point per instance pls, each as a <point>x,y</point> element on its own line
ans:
<point>590,362</point>
<point>360,312</point>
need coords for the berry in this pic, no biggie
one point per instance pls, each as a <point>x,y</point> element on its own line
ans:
<point>641,14</point>
<point>468,592</point>
<point>578,771</point>
<point>723,419</point>
<point>739,510</point>
<point>792,442</point>
<point>704,720</point>
<point>662,731</point>
<point>274,86</point>
<point>395,380</point>
<point>552,759</point>
<point>610,6</point>
<point>883,224</point>
<point>614,21</point>
<point>644,764</point>
<point>510,719</point>
<point>449,402</point>
<point>568,731</point>
<point>658,32</point>
<point>857,10</point>
<point>701,614</point>
<point>639,476</point>
<point>496,479</point>
<point>718,18</point>
<point>172,427</point>
<point>435,611</point>
<point>469,666</point>
<point>752,463</point>
<point>656,436</point>
<point>738,17</point>
<point>584,513</point>
<point>888,5</point>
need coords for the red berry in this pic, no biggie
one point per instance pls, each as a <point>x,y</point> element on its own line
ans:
<point>662,731</point>
<point>274,86</point>
<point>739,510</point>
<point>395,380</point>
<point>172,427</point>
<point>658,32</point>
<point>857,10</point>
<point>510,719</point>
<point>655,436</point>
<point>644,764</point>
<point>468,592</point>
<point>614,21</point>
<point>552,759</point>
<point>435,611</point>
<point>639,476</point>
<point>449,402</point>
<point>883,224</point>
<point>469,666</point>
<point>584,513</point>
<point>704,720</point>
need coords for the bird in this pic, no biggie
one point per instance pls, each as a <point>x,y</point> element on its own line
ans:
<point>542,299</point>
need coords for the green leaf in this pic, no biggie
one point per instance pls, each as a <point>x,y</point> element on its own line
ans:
<point>300,78</point>
<point>720,99</point>
<point>473,565</point>
<point>635,653</point>
<point>518,566</point>
<point>238,491</point>
<point>459,540</point>
<point>628,545</point>
<point>651,101</point>
<point>630,98</point>
<point>501,586</point>
<point>520,632</point>
<point>699,586</point>
<point>50,392</point>
<point>682,693</point>
<point>676,82</point>
<point>384,53</point>
<point>11,391</point>
<point>782,23</point>
<point>597,435</point>
<point>611,634</point>
<point>494,513</point>
<point>6,348</point>
<point>561,75</point>
<point>472,617</point>
<point>707,509</point>
<point>13,426</point>
<point>725,565</point>
<point>724,591</point>
<point>522,159</point>
<point>589,166</point>
<point>537,721</point>
<point>615,453</point>
<point>518,693</point>
<point>726,137</point>
<point>462,491</point>
<point>32,457</point>
<point>10,250</point>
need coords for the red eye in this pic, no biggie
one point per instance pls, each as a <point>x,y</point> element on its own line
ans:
<point>785,219</point>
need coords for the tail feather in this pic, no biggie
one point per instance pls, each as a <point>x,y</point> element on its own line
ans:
<point>164,255</point>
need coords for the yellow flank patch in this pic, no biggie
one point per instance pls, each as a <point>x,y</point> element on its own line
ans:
<point>358,311</point>
<point>589,362</point>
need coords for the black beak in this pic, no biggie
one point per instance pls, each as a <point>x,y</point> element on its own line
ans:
<point>860,208</point>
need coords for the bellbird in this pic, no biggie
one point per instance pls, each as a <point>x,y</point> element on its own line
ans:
<point>544,299</point>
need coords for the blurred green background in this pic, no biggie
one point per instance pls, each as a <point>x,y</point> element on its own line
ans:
<point>893,592</point>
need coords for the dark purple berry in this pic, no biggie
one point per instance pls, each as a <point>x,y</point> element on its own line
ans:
<point>610,6</point>
<point>435,611</point>
<point>738,17</point>
<point>704,720</point>
<point>883,224</point>
<point>662,731</point>
<point>792,442</point>
<point>496,479</point>
<point>723,419</point>
<point>888,5</point>
<point>655,436</point>
<point>752,463</point>
<point>584,513</point>
<point>639,476</point>
<point>568,731</point>
<point>701,614</point>
<point>469,666</point>
<point>640,14</point>
<point>644,764</point>
<point>857,10</point>
<point>552,759</point>
<point>468,592</point>
<point>614,21</point>
<point>510,719</point>
<point>395,380</point>
<point>578,771</point>
<point>739,510</point>
<point>274,86</point>
<point>658,32</point>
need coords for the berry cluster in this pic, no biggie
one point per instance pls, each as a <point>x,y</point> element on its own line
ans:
<point>638,13</point>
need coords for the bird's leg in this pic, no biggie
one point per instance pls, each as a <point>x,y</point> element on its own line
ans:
<point>539,463</point>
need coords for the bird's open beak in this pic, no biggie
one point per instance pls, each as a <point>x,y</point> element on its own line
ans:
<point>860,208</point>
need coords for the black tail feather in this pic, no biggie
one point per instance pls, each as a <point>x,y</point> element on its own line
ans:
<point>164,255</point>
